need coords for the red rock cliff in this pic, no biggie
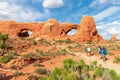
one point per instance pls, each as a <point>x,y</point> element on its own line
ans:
<point>86,30</point>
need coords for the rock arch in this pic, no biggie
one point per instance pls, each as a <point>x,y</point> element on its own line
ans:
<point>24,33</point>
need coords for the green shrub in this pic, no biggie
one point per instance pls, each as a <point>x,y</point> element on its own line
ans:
<point>57,72</point>
<point>41,71</point>
<point>60,41</point>
<point>17,74</point>
<point>28,55</point>
<point>78,70</point>
<point>91,78</point>
<point>116,59</point>
<point>0,76</point>
<point>78,45</point>
<point>43,78</point>
<point>13,67</point>
<point>117,47</point>
<point>93,65</point>
<point>37,64</point>
<point>110,53</point>
<point>72,76</point>
<point>68,64</point>
<point>5,58</point>
<point>69,47</point>
<point>32,77</point>
<point>98,71</point>
<point>68,40</point>
<point>106,75</point>
<point>113,74</point>
<point>82,63</point>
<point>2,46</point>
<point>95,62</point>
<point>50,78</point>
<point>34,42</point>
<point>89,42</point>
<point>62,51</point>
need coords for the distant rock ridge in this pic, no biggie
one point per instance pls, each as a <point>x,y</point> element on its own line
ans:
<point>52,29</point>
<point>113,37</point>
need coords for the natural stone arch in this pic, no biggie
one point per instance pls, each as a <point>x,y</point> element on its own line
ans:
<point>25,33</point>
<point>72,32</point>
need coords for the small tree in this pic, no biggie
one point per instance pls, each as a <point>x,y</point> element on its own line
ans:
<point>3,45</point>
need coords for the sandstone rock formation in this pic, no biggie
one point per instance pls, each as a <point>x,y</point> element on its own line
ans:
<point>88,30</point>
<point>113,37</point>
<point>52,29</point>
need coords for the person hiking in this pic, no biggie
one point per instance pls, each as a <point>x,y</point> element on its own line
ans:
<point>99,49</point>
<point>88,50</point>
<point>103,53</point>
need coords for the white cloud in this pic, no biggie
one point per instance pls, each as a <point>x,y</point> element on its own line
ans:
<point>105,2</point>
<point>102,1</point>
<point>20,13</point>
<point>106,13</point>
<point>52,3</point>
<point>106,30</point>
<point>97,2</point>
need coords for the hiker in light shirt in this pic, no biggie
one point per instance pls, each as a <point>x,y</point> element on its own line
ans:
<point>88,50</point>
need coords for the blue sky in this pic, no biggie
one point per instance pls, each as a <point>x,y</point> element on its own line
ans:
<point>105,12</point>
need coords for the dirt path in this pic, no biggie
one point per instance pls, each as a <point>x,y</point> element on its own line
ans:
<point>88,59</point>
<point>106,64</point>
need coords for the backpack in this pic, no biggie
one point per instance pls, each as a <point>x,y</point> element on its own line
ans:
<point>105,51</point>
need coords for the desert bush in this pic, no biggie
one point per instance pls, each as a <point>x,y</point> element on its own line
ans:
<point>78,70</point>
<point>91,78</point>
<point>68,40</point>
<point>69,47</point>
<point>5,58</point>
<point>45,42</point>
<point>28,55</point>
<point>98,71</point>
<point>78,45</point>
<point>93,65</point>
<point>117,47</point>
<point>17,74</point>
<point>2,46</point>
<point>32,77</point>
<point>60,41</point>
<point>41,71</point>
<point>114,75</point>
<point>110,53</point>
<point>13,67</point>
<point>106,75</point>
<point>82,63</point>
<point>62,51</point>
<point>68,64</point>
<point>14,54</point>
<point>43,78</point>
<point>50,78</point>
<point>0,76</point>
<point>72,76</point>
<point>57,72</point>
<point>37,64</point>
<point>89,42</point>
<point>34,42</point>
<point>116,59</point>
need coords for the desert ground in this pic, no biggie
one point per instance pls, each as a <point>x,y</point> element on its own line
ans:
<point>23,57</point>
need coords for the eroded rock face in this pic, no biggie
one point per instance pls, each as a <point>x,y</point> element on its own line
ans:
<point>52,29</point>
<point>113,37</point>
<point>88,30</point>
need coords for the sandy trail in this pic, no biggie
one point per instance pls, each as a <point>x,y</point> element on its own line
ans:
<point>106,64</point>
<point>88,59</point>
